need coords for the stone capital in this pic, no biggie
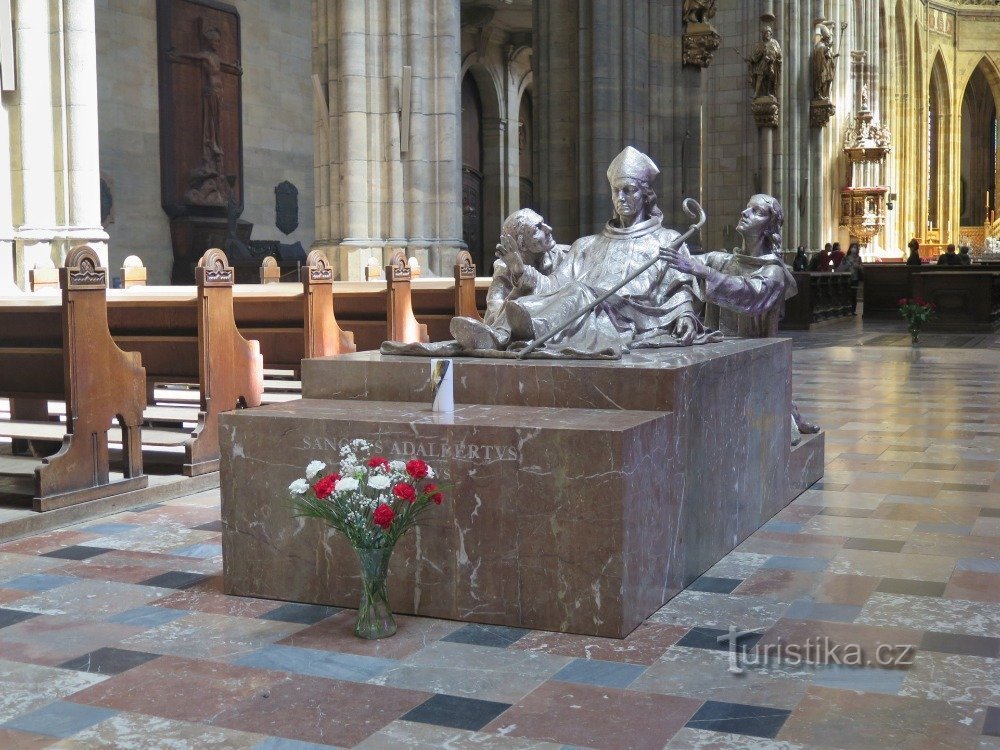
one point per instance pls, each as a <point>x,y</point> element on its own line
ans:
<point>699,44</point>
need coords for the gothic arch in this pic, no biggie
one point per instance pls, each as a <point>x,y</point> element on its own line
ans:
<point>978,159</point>
<point>939,158</point>
<point>482,205</point>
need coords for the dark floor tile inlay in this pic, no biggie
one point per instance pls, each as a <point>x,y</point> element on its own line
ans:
<point>175,579</point>
<point>990,513</point>
<point>14,616</point>
<point>455,712</point>
<point>912,588</point>
<point>76,552</point>
<point>874,545</point>
<point>108,661</point>
<point>739,718</point>
<point>498,636</point>
<point>715,585</point>
<point>210,526</point>
<point>302,614</point>
<point>991,726</point>
<point>957,643</point>
<point>708,638</point>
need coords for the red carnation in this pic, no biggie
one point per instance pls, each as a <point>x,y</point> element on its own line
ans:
<point>436,497</point>
<point>375,461</point>
<point>405,492</point>
<point>324,486</point>
<point>919,300</point>
<point>902,301</point>
<point>383,516</point>
<point>416,468</point>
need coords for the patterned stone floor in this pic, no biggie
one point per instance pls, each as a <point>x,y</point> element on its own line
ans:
<point>115,633</point>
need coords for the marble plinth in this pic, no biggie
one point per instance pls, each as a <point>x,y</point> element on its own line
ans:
<point>585,494</point>
<point>547,525</point>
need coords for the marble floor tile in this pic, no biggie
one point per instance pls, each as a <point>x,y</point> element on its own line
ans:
<point>455,712</point>
<point>695,608</point>
<point>597,672</point>
<point>408,735</point>
<point>336,633</point>
<point>737,565</point>
<point>859,679</point>
<point>920,567</point>
<point>304,614</point>
<point>780,584</point>
<point>867,528</point>
<point>739,718</point>
<point>911,588</point>
<point>845,719</point>
<point>644,645</point>
<point>836,642</point>
<point>51,640</point>
<point>89,599</point>
<point>12,739</point>
<point>176,688</point>
<point>324,711</point>
<point>980,587</point>
<point>589,716</point>
<point>30,686</point>
<point>315,663</point>
<point>953,678</point>
<point>210,636</point>
<point>497,636</point>
<point>957,643</point>
<point>702,739</point>
<point>708,675</point>
<point>128,731</point>
<point>927,613</point>
<point>481,672</point>
<point>108,661</point>
<point>842,588</point>
<point>59,719</point>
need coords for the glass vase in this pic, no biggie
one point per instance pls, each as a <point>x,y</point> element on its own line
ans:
<point>914,335</point>
<point>375,619</point>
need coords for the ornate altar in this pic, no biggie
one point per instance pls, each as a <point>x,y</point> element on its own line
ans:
<point>866,144</point>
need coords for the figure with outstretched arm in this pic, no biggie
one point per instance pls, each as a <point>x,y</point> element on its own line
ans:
<point>212,67</point>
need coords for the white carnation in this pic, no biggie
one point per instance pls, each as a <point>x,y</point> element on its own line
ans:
<point>346,484</point>
<point>299,486</point>
<point>430,473</point>
<point>397,465</point>
<point>379,482</point>
<point>314,468</point>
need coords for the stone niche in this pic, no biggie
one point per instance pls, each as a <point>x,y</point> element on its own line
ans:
<point>582,494</point>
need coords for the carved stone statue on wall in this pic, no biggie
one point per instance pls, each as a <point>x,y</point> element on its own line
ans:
<point>698,11</point>
<point>824,62</point>
<point>765,65</point>
<point>208,187</point>
<point>700,38</point>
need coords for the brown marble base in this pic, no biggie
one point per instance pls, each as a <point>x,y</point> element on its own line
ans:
<point>585,494</point>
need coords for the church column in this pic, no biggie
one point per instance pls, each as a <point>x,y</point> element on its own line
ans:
<point>83,152</point>
<point>35,211</point>
<point>387,188</point>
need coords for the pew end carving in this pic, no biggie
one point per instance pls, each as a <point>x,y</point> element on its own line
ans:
<point>465,286</point>
<point>133,272</point>
<point>403,325</point>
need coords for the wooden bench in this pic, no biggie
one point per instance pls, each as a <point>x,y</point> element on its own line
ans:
<point>61,349</point>
<point>966,301</point>
<point>886,283</point>
<point>189,335</point>
<point>822,297</point>
<point>292,322</point>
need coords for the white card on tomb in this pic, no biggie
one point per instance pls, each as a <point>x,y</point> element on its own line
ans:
<point>442,386</point>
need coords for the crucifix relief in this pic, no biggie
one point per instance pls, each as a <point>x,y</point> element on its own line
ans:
<point>201,132</point>
<point>208,185</point>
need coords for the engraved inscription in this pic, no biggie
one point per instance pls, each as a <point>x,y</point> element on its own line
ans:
<point>403,449</point>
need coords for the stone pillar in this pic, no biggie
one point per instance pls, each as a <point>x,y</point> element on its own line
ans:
<point>379,192</point>
<point>608,74</point>
<point>7,277</point>
<point>35,210</point>
<point>83,153</point>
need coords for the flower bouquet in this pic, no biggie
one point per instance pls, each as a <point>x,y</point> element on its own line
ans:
<point>372,501</point>
<point>916,312</point>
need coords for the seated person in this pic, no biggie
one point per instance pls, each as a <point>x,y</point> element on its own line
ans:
<point>821,261</point>
<point>949,257</point>
<point>836,258</point>
<point>526,240</point>
<point>964,258</point>
<point>913,259</point>
<point>801,261</point>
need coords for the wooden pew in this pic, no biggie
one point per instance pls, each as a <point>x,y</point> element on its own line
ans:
<point>189,335</point>
<point>966,301</point>
<point>822,297</point>
<point>61,349</point>
<point>293,321</point>
<point>467,302</point>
